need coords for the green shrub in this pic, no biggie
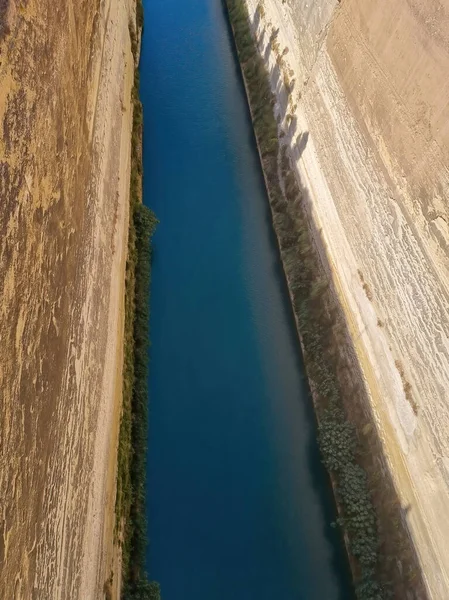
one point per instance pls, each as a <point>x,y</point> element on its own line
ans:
<point>131,471</point>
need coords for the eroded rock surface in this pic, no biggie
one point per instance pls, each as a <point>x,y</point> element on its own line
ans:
<point>66,74</point>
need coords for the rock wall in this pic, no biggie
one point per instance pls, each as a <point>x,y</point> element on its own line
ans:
<point>363,98</point>
<point>66,73</point>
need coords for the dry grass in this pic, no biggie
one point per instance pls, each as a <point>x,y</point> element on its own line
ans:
<point>407,387</point>
<point>365,286</point>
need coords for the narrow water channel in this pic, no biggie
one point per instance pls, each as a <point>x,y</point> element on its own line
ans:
<point>239,506</point>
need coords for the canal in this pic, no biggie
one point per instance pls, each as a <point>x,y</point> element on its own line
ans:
<point>239,506</point>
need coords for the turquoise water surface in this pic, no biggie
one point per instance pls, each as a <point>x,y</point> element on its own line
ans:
<point>239,506</point>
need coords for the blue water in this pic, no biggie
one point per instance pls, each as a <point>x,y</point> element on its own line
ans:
<point>239,507</point>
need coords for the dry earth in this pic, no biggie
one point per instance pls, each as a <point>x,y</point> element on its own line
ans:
<point>363,97</point>
<point>66,73</point>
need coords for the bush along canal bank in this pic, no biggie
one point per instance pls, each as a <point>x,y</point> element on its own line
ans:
<point>131,467</point>
<point>321,331</point>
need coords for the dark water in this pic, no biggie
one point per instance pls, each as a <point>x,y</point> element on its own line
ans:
<point>238,504</point>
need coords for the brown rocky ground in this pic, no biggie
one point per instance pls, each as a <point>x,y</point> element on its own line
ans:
<point>66,73</point>
<point>363,98</point>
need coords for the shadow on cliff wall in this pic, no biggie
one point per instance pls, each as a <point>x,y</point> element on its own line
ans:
<point>396,545</point>
<point>400,560</point>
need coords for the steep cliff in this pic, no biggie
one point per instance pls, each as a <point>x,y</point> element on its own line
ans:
<point>362,97</point>
<point>66,73</point>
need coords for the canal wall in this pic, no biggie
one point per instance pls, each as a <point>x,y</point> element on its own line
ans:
<point>275,38</point>
<point>66,76</point>
<point>361,97</point>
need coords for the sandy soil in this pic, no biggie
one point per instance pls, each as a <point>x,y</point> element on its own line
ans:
<point>66,74</point>
<point>367,122</point>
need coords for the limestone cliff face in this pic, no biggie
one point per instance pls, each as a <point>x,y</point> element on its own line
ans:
<point>66,73</point>
<point>363,97</point>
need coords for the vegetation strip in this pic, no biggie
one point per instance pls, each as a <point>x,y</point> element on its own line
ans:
<point>131,476</point>
<point>315,320</point>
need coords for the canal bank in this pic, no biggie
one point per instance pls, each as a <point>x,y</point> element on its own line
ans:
<point>321,328</point>
<point>239,504</point>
